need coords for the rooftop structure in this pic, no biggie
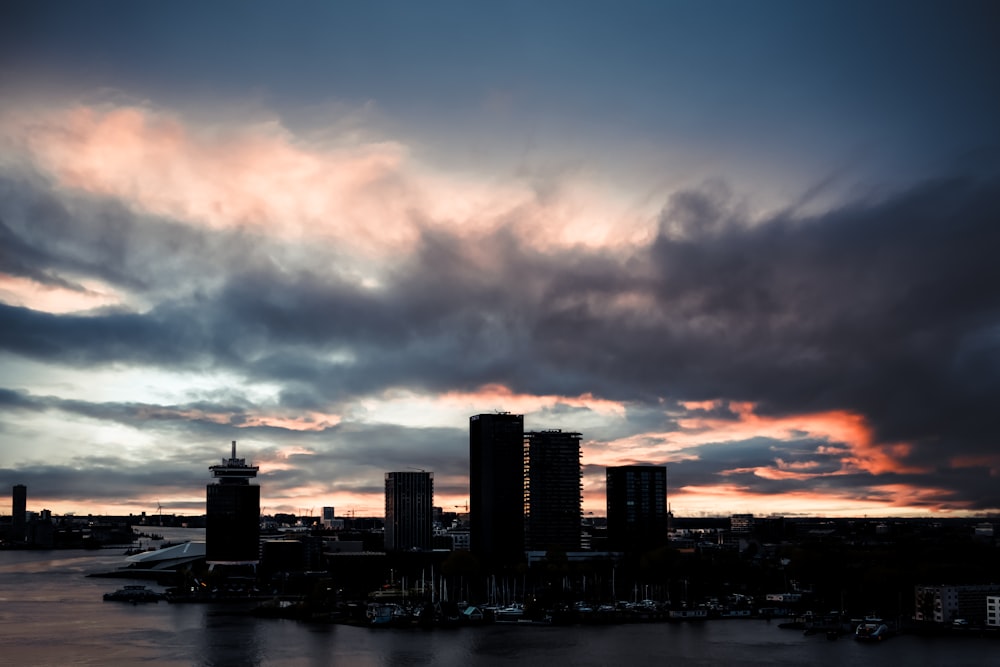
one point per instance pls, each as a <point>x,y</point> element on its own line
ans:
<point>234,470</point>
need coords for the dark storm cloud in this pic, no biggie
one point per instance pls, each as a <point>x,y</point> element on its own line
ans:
<point>886,307</point>
<point>107,480</point>
<point>42,238</point>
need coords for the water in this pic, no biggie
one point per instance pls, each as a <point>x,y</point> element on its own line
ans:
<point>52,614</point>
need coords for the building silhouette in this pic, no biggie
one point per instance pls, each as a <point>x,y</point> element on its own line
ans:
<point>552,490</point>
<point>496,487</point>
<point>637,507</point>
<point>19,512</point>
<point>409,511</point>
<point>232,521</point>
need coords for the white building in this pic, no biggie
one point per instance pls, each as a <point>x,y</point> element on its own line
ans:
<point>993,611</point>
<point>945,604</point>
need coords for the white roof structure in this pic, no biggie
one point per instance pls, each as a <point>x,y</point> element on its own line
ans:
<point>168,558</point>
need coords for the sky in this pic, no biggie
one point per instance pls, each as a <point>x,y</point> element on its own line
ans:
<point>752,241</point>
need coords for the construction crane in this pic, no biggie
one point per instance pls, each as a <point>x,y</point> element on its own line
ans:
<point>353,510</point>
<point>466,505</point>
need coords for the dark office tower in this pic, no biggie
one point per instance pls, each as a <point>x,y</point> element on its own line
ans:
<point>496,487</point>
<point>409,511</point>
<point>552,490</point>
<point>19,511</point>
<point>637,507</point>
<point>232,522</point>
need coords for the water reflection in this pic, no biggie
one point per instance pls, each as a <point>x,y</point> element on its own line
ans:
<point>227,640</point>
<point>51,614</point>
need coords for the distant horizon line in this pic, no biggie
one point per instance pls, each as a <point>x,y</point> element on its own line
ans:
<point>873,517</point>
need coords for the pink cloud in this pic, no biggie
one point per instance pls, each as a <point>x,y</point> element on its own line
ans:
<point>309,421</point>
<point>692,406</point>
<point>797,470</point>
<point>373,196</point>
<point>254,175</point>
<point>27,293</point>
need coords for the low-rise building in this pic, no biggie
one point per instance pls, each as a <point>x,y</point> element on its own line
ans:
<point>946,604</point>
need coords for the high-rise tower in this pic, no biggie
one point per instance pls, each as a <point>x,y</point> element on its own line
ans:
<point>19,511</point>
<point>496,487</point>
<point>409,511</point>
<point>552,491</point>
<point>232,525</point>
<point>637,507</point>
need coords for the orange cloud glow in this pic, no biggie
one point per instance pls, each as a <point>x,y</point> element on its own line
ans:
<point>894,499</point>
<point>850,441</point>
<point>991,461</point>
<point>310,421</point>
<point>835,426</point>
<point>698,405</point>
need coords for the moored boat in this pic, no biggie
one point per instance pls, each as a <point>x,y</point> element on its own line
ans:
<point>688,614</point>
<point>383,615</point>
<point>134,594</point>
<point>871,629</point>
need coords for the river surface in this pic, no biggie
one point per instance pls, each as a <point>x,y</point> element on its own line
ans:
<point>51,613</point>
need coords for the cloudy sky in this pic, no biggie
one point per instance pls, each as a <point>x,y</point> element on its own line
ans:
<point>754,241</point>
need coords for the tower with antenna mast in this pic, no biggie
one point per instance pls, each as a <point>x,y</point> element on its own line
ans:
<point>232,522</point>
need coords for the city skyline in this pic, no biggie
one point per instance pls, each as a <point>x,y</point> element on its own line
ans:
<point>753,243</point>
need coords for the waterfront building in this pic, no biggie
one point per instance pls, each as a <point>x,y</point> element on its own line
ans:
<point>459,539</point>
<point>636,499</point>
<point>328,517</point>
<point>552,490</point>
<point>741,524</point>
<point>232,521</point>
<point>496,486</point>
<point>946,604</point>
<point>19,512</point>
<point>409,511</point>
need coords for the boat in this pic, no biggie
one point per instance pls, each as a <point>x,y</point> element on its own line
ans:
<point>830,624</point>
<point>687,614</point>
<point>383,615</point>
<point>134,594</point>
<point>511,613</point>
<point>871,629</point>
